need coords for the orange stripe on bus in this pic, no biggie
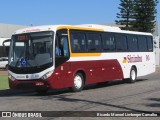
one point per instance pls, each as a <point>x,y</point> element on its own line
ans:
<point>79,54</point>
<point>79,28</point>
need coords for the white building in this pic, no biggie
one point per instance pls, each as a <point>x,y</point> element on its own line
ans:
<point>6,31</point>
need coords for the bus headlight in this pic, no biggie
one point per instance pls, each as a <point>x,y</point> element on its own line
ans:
<point>47,75</point>
<point>11,77</point>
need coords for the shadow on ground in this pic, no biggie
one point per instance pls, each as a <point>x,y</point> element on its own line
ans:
<point>155,102</point>
<point>9,92</point>
<point>62,96</point>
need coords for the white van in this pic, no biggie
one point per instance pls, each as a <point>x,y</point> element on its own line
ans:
<point>3,62</point>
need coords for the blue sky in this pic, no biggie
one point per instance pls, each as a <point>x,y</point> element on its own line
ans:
<point>42,12</point>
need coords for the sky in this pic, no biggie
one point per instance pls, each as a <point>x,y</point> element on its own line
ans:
<point>45,12</point>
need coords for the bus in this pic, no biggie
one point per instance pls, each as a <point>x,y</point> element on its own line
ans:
<point>4,52</point>
<point>72,56</point>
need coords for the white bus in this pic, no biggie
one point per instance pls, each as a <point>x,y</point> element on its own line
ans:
<point>4,47</point>
<point>4,52</point>
<point>67,56</point>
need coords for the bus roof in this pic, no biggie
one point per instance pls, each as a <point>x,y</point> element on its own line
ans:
<point>93,27</point>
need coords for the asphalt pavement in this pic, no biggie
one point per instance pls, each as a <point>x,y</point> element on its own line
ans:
<point>142,96</point>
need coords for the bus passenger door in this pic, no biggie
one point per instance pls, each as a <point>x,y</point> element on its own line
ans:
<point>62,65</point>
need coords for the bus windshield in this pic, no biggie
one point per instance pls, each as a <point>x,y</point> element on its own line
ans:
<point>31,49</point>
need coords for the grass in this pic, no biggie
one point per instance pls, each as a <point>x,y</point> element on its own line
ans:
<point>4,82</point>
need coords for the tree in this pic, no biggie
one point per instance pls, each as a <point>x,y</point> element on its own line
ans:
<point>126,14</point>
<point>137,15</point>
<point>145,14</point>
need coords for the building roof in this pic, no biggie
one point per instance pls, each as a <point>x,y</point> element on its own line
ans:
<point>6,30</point>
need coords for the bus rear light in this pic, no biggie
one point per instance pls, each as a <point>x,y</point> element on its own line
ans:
<point>39,83</point>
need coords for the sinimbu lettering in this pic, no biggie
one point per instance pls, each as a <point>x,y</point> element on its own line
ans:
<point>134,58</point>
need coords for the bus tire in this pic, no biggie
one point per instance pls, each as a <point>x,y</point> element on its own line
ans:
<point>78,82</point>
<point>133,75</point>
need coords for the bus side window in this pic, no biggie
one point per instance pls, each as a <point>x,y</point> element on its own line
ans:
<point>57,48</point>
<point>150,43</point>
<point>121,42</point>
<point>65,46</point>
<point>61,44</point>
<point>94,42</point>
<point>78,42</point>
<point>132,43</point>
<point>62,47</point>
<point>108,42</point>
<point>142,43</point>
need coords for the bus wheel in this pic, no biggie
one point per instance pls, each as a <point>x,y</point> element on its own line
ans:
<point>133,75</point>
<point>78,83</point>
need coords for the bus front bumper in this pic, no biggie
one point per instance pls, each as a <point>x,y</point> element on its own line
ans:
<point>28,84</point>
